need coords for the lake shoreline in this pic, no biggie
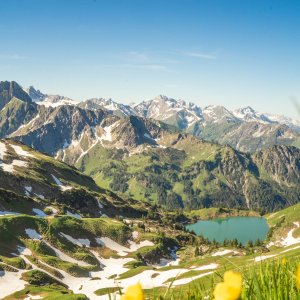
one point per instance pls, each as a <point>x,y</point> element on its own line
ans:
<point>212,213</point>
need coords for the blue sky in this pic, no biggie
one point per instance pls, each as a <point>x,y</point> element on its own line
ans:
<point>232,53</point>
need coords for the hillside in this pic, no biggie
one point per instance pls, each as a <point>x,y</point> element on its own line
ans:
<point>32,181</point>
<point>186,172</point>
<point>148,160</point>
<point>92,257</point>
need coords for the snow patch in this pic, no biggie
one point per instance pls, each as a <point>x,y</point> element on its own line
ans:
<point>263,257</point>
<point>78,242</point>
<point>66,257</point>
<point>224,252</point>
<point>33,234</point>
<point>10,168</point>
<point>8,213</point>
<point>11,282</point>
<point>135,234</point>
<point>73,215</point>
<point>2,150</point>
<point>39,212</point>
<point>53,209</point>
<point>290,240</point>
<point>122,250</point>
<point>60,184</point>
<point>19,150</point>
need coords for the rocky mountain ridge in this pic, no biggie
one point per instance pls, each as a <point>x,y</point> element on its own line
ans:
<point>244,129</point>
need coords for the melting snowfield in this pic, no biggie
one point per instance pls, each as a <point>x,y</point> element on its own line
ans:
<point>290,240</point>
<point>112,268</point>
<point>60,184</point>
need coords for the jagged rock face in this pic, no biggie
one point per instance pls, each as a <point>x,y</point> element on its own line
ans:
<point>113,107</point>
<point>244,129</point>
<point>16,108</point>
<point>10,90</point>
<point>282,163</point>
<point>55,128</point>
<point>34,94</point>
<point>252,136</point>
<point>248,114</point>
<point>171,111</point>
<point>15,114</point>
<point>218,114</point>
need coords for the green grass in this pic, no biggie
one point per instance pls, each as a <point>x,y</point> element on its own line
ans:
<point>105,291</point>
<point>264,281</point>
<point>49,292</point>
<point>213,212</point>
<point>16,262</point>
<point>37,277</point>
<point>133,272</point>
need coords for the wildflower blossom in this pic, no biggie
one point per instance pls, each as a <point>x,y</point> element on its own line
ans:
<point>133,292</point>
<point>298,277</point>
<point>230,288</point>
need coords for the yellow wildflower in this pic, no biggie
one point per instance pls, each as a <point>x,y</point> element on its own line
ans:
<point>231,288</point>
<point>284,261</point>
<point>133,292</point>
<point>298,277</point>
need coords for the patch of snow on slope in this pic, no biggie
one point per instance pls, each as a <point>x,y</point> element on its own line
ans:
<point>40,196</point>
<point>290,240</point>
<point>224,252</point>
<point>78,216</point>
<point>189,279</point>
<point>263,257</point>
<point>10,168</point>
<point>107,133</point>
<point>2,150</point>
<point>30,297</point>
<point>33,234</point>
<point>60,184</point>
<point>109,243</point>
<point>39,212</point>
<point>78,242</point>
<point>19,150</point>
<point>135,234</point>
<point>23,251</point>
<point>11,282</point>
<point>134,246</point>
<point>8,213</point>
<point>55,101</point>
<point>122,250</point>
<point>211,266</point>
<point>53,209</point>
<point>66,257</point>
<point>28,189</point>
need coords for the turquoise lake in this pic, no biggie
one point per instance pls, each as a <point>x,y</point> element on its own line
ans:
<point>243,229</point>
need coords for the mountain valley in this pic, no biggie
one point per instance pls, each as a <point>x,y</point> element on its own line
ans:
<point>95,196</point>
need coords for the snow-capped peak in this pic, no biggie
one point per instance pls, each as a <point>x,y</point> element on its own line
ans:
<point>292,123</point>
<point>108,104</point>
<point>248,114</point>
<point>48,100</point>
<point>35,95</point>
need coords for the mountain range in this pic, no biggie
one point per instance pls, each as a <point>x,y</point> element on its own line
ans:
<point>142,156</point>
<point>244,129</point>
